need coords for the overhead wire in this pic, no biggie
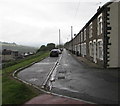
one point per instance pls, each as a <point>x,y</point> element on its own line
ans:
<point>76,12</point>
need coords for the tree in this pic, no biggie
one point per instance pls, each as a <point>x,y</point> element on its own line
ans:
<point>60,46</point>
<point>42,48</point>
<point>50,46</point>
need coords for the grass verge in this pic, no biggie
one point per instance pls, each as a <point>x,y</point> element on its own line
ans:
<point>13,91</point>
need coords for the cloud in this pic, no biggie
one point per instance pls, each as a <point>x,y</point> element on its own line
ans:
<point>33,22</point>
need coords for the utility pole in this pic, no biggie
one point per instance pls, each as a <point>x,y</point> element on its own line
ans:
<point>59,38</point>
<point>72,38</point>
<point>71,32</point>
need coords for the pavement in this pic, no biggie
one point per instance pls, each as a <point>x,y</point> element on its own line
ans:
<point>115,72</point>
<point>51,99</point>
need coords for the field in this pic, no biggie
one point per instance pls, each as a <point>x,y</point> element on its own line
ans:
<point>15,47</point>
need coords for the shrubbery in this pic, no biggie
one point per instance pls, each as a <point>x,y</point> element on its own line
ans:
<point>49,47</point>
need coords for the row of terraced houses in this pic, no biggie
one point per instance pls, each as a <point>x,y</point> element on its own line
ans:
<point>99,40</point>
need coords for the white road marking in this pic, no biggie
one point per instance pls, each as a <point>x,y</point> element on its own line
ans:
<point>33,79</point>
<point>66,64</point>
<point>68,89</point>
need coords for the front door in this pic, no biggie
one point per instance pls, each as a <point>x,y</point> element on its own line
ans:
<point>94,52</point>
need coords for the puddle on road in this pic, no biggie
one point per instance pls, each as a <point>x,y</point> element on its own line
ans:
<point>33,79</point>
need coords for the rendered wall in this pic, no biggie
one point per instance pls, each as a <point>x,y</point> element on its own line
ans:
<point>119,35</point>
<point>113,48</point>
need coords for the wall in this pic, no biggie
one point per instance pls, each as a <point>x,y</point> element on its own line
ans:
<point>119,35</point>
<point>7,57</point>
<point>113,48</point>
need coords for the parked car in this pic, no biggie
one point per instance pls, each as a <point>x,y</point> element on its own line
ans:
<point>59,51</point>
<point>54,53</point>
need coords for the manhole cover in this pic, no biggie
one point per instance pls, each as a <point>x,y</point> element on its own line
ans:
<point>61,77</point>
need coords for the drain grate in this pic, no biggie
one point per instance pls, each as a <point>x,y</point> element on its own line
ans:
<point>62,71</point>
<point>61,77</point>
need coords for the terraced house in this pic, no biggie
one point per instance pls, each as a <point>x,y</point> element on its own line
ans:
<point>99,39</point>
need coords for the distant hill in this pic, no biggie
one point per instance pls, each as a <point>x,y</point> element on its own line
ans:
<point>16,47</point>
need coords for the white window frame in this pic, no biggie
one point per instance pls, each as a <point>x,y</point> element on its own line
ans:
<point>91,48</point>
<point>90,30</point>
<point>81,36</point>
<point>84,34</point>
<point>99,24</point>
<point>79,48</point>
<point>94,51</point>
<point>99,45</point>
<point>84,48</point>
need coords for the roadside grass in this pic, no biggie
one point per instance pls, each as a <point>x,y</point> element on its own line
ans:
<point>24,62</point>
<point>13,91</point>
<point>0,87</point>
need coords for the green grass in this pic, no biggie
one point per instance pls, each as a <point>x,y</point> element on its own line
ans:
<point>13,91</point>
<point>26,61</point>
<point>0,87</point>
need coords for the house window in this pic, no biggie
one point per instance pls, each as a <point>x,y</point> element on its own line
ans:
<point>90,30</point>
<point>100,24</point>
<point>91,49</point>
<point>84,48</point>
<point>81,36</point>
<point>84,34</point>
<point>75,48</point>
<point>100,49</point>
<point>79,48</point>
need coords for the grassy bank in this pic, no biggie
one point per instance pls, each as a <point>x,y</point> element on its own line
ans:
<point>13,91</point>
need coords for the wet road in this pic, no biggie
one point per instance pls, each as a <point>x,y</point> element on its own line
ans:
<point>37,73</point>
<point>91,84</point>
<point>71,78</point>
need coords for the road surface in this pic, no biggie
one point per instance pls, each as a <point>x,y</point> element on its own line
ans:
<point>37,73</point>
<point>74,79</point>
<point>80,81</point>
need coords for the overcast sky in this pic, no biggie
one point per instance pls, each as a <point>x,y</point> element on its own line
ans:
<point>37,22</point>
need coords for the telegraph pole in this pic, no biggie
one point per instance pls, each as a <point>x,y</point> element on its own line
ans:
<point>72,38</point>
<point>59,38</point>
<point>71,32</point>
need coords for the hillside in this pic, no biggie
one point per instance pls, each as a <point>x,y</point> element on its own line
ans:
<point>16,47</point>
